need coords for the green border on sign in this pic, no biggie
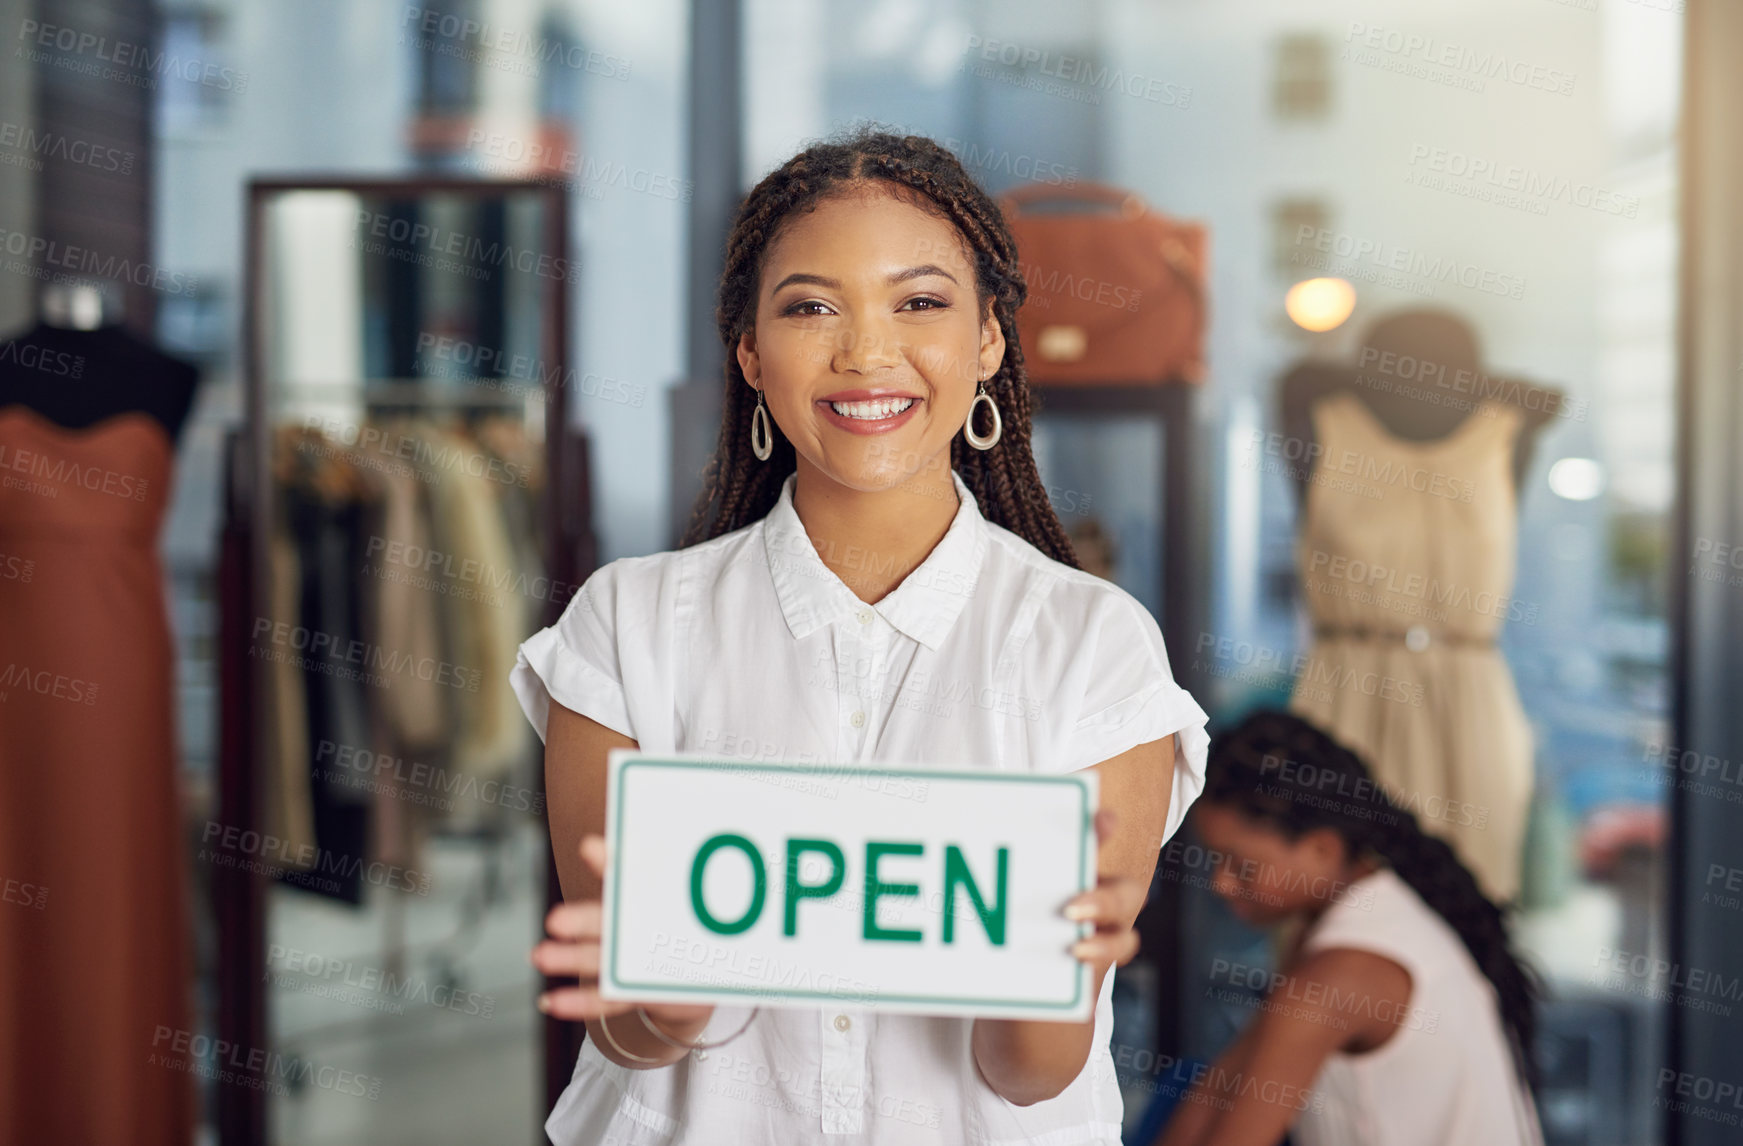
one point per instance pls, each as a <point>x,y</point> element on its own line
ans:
<point>1086,825</point>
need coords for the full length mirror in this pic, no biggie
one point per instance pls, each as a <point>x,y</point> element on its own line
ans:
<point>405,349</point>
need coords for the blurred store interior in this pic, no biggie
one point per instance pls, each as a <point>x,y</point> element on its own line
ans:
<point>265,192</point>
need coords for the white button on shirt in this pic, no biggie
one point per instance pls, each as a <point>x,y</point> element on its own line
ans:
<point>989,655</point>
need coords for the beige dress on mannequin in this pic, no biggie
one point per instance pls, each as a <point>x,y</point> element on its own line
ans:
<point>1407,559</point>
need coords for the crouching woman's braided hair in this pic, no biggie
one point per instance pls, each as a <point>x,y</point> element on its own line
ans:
<point>1330,787</point>
<point>737,488</point>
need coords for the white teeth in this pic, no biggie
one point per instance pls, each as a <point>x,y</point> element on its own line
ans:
<point>873,410</point>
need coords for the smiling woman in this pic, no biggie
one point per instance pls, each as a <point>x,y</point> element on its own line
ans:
<point>868,529</point>
<point>910,342</point>
<point>875,269</point>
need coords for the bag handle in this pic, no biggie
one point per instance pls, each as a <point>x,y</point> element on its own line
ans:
<point>1130,203</point>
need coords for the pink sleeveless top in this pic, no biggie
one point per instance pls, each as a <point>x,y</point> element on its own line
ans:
<point>1445,1077</point>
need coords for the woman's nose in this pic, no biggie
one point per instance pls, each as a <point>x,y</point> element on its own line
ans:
<point>863,348</point>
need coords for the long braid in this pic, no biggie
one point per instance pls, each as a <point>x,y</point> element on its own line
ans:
<point>1432,868</point>
<point>1330,787</point>
<point>737,488</point>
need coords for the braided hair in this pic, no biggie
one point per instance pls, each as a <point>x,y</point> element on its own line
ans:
<point>737,488</point>
<point>1330,787</point>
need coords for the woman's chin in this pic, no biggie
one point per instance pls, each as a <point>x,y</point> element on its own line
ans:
<point>1250,913</point>
<point>884,463</point>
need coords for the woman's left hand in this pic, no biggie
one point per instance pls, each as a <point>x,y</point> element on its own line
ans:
<point>1116,899</point>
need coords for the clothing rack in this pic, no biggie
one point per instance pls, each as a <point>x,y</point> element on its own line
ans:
<point>469,398</point>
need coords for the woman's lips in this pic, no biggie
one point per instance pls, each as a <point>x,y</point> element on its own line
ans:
<point>867,425</point>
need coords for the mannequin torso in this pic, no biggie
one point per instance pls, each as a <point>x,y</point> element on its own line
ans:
<point>1417,373</point>
<point>78,378</point>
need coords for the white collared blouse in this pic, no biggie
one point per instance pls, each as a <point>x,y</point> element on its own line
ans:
<point>989,655</point>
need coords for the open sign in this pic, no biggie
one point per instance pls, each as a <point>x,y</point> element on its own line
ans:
<point>929,891</point>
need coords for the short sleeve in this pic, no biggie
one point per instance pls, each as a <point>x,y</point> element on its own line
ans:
<point>1131,698</point>
<point>576,661</point>
<point>1375,914</point>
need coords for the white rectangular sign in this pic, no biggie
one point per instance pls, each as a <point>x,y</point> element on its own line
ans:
<point>907,890</point>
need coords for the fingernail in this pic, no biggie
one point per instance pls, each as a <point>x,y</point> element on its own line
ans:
<point>1085,950</point>
<point>1079,911</point>
<point>545,1003</point>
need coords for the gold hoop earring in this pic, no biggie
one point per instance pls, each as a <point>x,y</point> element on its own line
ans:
<point>762,437</point>
<point>968,434</point>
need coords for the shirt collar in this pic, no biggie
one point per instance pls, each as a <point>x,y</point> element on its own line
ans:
<point>923,607</point>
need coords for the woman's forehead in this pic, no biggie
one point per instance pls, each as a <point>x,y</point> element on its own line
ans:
<point>868,218</point>
<point>1229,823</point>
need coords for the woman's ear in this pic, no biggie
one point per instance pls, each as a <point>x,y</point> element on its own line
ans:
<point>748,361</point>
<point>1326,846</point>
<point>992,341</point>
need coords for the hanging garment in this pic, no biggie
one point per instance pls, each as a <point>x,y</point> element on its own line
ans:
<point>403,582</point>
<point>95,960</point>
<point>507,439</point>
<point>285,755</point>
<point>340,673</point>
<point>1407,559</point>
<point>400,575</point>
<point>484,624</point>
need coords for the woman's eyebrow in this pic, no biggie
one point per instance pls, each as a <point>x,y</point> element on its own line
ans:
<point>919,272</point>
<point>901,276</point>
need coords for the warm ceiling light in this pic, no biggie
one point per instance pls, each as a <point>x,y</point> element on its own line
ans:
<point>1577,479</point>
<point>1320,304</point>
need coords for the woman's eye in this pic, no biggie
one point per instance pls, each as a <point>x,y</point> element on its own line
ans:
<point>931,303</point>
<point>800,308</point>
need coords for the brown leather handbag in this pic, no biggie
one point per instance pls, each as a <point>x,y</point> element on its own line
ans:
<point>1116,290</point>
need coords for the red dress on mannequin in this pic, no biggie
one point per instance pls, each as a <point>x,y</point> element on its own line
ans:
<point>95,936</point>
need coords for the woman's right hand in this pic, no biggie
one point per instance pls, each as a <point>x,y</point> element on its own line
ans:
<point>573,949</point>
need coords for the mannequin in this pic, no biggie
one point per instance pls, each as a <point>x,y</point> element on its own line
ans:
<point>78,365</point>
<point>91,809</point>
<point>1426,400</point>
<point>1407,551</point>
